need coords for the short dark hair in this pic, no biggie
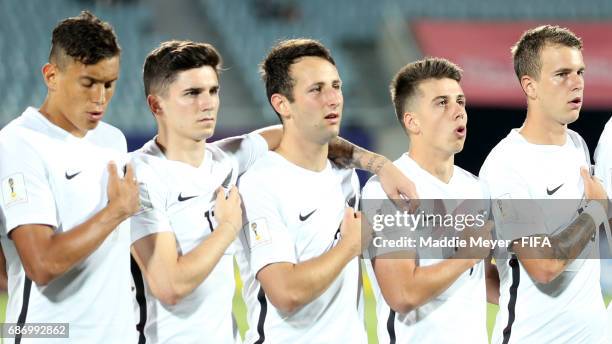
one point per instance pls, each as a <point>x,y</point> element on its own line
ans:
<point>166,61</point>
<point>84,38</point>
<point>526,52</point>
<point>275,67</point>
<point>405,83</point>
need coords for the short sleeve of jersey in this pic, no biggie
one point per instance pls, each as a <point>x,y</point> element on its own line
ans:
<point>372,197</point>
<point>27,197</point>
<point>514,213</point>
<point>245,149</point>
<point>266,235</point>
<point>152,217</point>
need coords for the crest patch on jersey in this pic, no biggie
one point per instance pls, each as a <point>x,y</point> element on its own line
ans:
<point>14,190</point>
<point>259,234</point>
<point>505,209</point>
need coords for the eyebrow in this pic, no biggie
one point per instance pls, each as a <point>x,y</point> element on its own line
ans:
<point>94,80</point>
<point>567,70</point>
<point>200,89</point>
<point>321,83</point>
<point>193,89</point>
<point>447,97</point>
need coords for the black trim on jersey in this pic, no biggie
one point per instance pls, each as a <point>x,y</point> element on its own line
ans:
<point>140,299</point>
<point>27,288</point>
<point>263,304</point>
<point>516,276</point>
<point>391,326</point>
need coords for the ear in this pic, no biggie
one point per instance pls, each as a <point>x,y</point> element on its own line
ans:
<point>49,72</point>
<point>529,86</point>
<point>411,123</point>
<point>280,103</point>
<point>154,105</point>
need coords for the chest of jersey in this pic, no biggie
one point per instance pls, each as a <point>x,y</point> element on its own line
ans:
<point>190,203</point>
<point>553,175</point>
<point>314,213</point>
<point>78,178</point>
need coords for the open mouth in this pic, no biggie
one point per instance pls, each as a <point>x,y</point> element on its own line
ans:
<point>333,118</point>
<point>576,102</point>
<point>461,131</point>
<point>95,115</point>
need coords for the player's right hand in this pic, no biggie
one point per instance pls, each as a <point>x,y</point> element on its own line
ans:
<point>479,252</point>
<point>228,210</point>
<point>122,193</point>
<point>351,233</point>
<point>593,189</point>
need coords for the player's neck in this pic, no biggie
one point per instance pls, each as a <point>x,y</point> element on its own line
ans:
<point>302,152</point>
<point>57,117</point>
<point>541,130</point>
<point>180,149</point>
<point>437,163</point>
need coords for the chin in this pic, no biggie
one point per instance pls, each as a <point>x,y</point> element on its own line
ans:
<point>571,117</point>
<point>91,125</point>
<point>457,149</point>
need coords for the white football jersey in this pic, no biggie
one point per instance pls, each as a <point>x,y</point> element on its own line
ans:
<point>179,198</point>
<point>51,177</point>
<point>460,311</point>
<point>570,309</point>
<point>293,215</point>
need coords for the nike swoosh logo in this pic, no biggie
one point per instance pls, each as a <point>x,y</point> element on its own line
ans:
<point>70,176</point>
<point>304,218</point>
<point>550,192</point>
<point>182,199</point>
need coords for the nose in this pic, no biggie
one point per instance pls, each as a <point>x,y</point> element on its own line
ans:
<point>207,102</point>
<point>577,81</point>
<point>459,112</point>
<point>98,94</point>
<point>333,97</point>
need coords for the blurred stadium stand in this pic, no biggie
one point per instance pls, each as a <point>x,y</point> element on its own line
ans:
<point>369,42</point>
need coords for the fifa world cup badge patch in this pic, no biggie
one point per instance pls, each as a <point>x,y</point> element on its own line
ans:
<point>14,190</point>
<point>258,233</point>
<point>505,207</point>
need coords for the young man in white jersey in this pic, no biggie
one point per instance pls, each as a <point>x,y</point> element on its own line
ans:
<point>299,247</point>
<point>182,236</point>
<point>432,300</point>
<point>66,242</point>
<point>546,294</point>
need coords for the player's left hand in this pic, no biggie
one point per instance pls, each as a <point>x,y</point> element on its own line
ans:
<point>398,187</point>
<point>593,189</point>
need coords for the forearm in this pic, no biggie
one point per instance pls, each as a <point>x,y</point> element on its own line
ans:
<point>348,155</point>
<point>194,267</point>
<point>66,249</point>
<point>546,263</point>
<point>307,280</point>
<point>428,282</point>
<point>272,134</point>
<point>568,244</point>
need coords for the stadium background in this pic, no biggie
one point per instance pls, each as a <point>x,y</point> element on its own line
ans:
<point>369,40</point>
